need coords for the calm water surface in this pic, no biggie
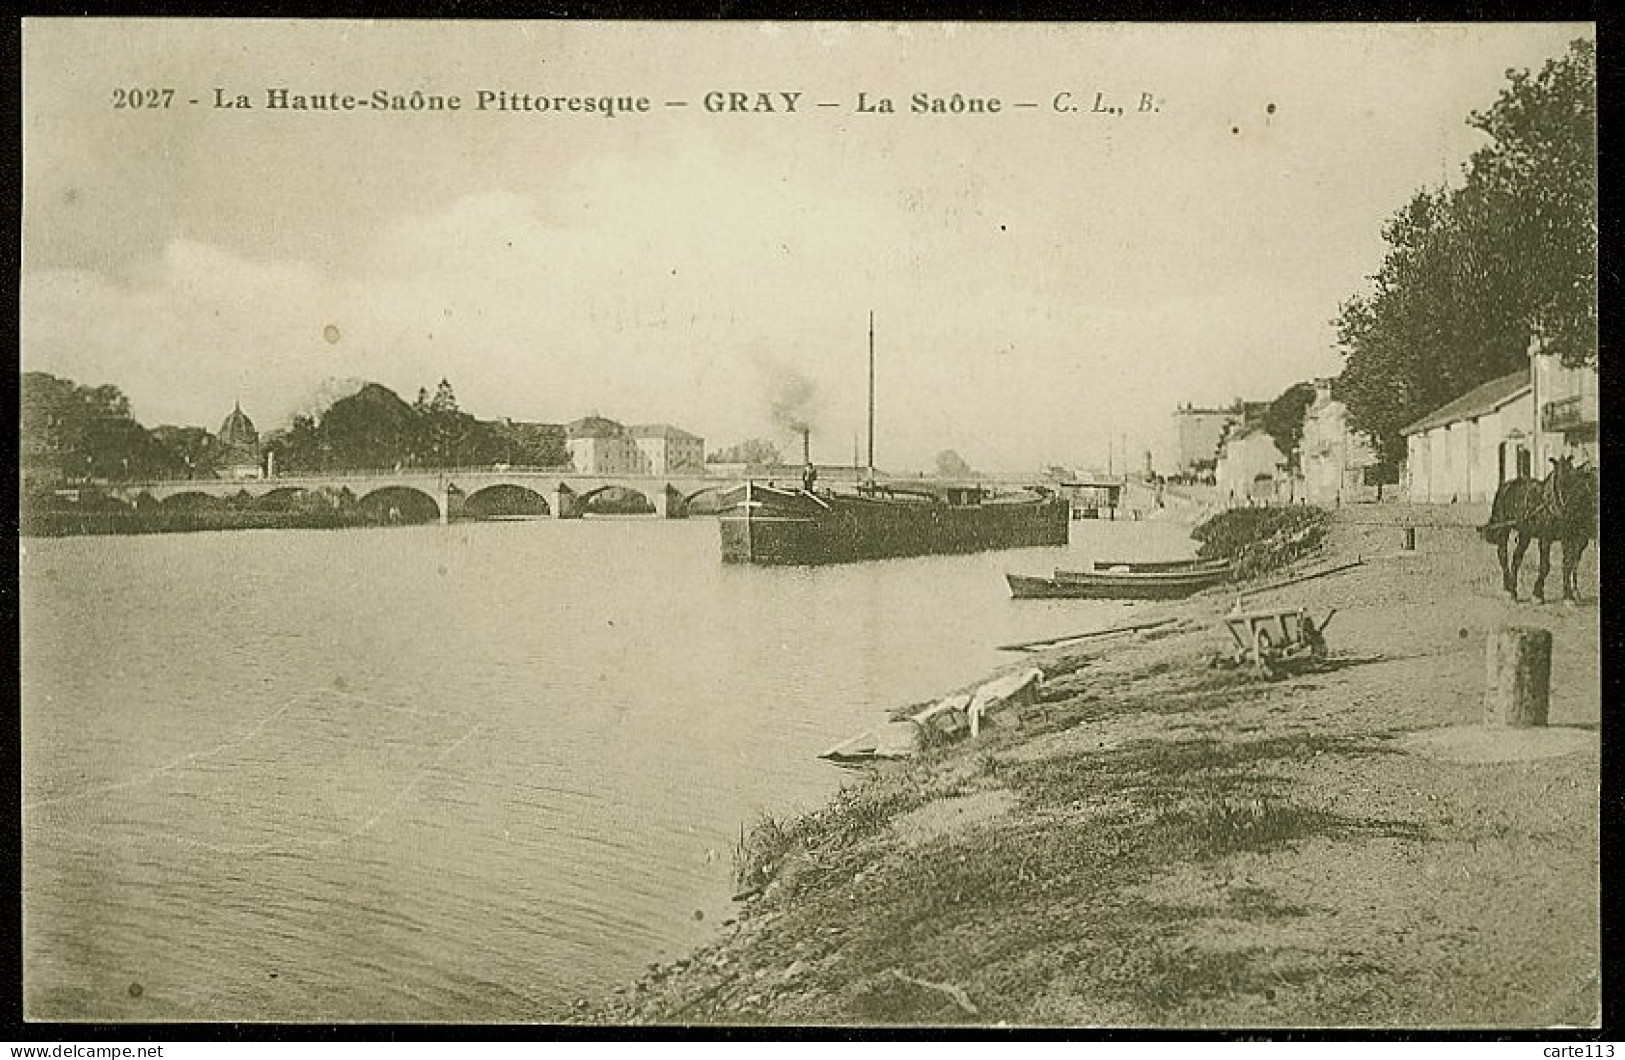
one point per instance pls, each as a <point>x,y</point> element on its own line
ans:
<point>446,773</point>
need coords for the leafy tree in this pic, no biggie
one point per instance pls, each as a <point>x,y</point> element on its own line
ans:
<point>372,428</point>
<point>301,449</point>
<point>1531,199</point>
<point>71,431</point>
<point>1283,420</point>
<point>444,400</point>
<point>1473,274</point>
<point>532,444</point>
<point>197,449</point>
<point>750,451</point>
<point>449,437</point>
<point>951,465</point>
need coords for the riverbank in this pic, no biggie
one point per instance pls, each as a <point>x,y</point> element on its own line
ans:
<point>1164,843</point>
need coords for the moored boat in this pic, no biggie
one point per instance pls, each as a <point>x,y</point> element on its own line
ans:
<point>776,525</point>
<point>1118,585</point>
<point>772,524</point>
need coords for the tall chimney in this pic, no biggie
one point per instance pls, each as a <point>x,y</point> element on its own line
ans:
<point>806,445</point>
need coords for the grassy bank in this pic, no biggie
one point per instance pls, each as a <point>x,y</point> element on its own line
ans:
<point>1163,843</point>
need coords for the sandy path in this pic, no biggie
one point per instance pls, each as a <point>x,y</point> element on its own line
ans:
<point>1164,844</point>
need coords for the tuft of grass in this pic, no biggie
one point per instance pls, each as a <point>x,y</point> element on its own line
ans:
<point>759,852</point>
<point>1228,824</point>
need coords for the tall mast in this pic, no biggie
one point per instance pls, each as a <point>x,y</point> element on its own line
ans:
<point>871,395</point>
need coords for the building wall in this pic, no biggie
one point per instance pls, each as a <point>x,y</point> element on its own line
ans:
<point>1332,458</point>
<point>1576,390</point>
<point>663,455</point>
<point>646,455</point>
<point>1466,461</point>
<point>605,456</point>
<point>1197,434</point>
<point>1243,460</point>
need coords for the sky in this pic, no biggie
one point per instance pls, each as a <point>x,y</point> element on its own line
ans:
<point>1046,285</point>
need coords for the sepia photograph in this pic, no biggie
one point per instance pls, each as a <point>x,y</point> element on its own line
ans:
<point>856,525</point>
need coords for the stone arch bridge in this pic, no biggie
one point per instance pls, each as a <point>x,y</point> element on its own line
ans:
<point>565,493</point>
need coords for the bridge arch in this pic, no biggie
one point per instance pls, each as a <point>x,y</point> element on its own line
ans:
<point>504,500</point>
<point>399,504</point>
<point>707,500</point>
<point>617,498</point>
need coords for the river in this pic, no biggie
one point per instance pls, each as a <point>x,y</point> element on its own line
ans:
<point>463,773</point>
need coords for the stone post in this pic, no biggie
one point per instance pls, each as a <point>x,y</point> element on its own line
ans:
<point>1517,676</point>
<point>660,497</point>
<point>563,502</point>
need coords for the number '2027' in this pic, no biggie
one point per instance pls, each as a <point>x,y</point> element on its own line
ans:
<point>143,98</point>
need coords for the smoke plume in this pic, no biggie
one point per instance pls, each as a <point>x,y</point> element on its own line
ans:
<point>793,398</point>
<point>321,397</point>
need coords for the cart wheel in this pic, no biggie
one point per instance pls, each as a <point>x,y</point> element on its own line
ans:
<point>1263,648</point>
<point>1313,638</point>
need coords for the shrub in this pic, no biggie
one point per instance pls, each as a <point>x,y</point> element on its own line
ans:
<point>1261,540</point>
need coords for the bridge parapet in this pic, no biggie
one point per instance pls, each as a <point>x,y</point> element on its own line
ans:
<point>448,488</point>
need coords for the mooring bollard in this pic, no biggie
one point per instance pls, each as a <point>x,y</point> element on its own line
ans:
<point>1518,675</point>
<point>1410,539</point>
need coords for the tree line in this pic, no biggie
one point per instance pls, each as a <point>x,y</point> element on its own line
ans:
<point>376,428</point>
<point>75,432</point>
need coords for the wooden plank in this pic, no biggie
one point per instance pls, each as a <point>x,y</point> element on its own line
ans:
<point>1302,578</point>
<point>1030,645</point>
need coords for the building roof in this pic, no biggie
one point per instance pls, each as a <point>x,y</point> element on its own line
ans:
<point>1482,399</point>
<point>663,430</point>
<point>595,427</point>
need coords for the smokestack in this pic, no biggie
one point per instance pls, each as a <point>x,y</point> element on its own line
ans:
<point>806,445</point>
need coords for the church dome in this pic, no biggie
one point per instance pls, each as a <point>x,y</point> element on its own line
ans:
<point>238,429</point>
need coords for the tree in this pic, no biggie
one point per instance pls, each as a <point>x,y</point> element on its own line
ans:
<point>448,437</point>
<point>1531,196</point>
<point>951,465</point>
<point>444,400</point>
<point>1473,274</point>
<point>750,451</point>
<point>372,428</point>
<point>74,432</point>
<point>301,449</point>
<point>196,448</point>
<point>1283,420</point>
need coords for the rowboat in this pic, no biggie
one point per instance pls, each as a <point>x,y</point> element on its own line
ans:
<point>1151,566</point>
<point>1167,584</point>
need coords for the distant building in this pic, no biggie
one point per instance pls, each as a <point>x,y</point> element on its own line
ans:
<point>1089,495</point>
<point>1338,465</point>
<point>1248,465</point>
<point>240,454</point>
<point>600,446</point>
<point>1198,432</point>
<point>1463,450</point>
<point>665,449</point>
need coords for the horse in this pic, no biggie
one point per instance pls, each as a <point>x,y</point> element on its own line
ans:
<point>1562,507</point>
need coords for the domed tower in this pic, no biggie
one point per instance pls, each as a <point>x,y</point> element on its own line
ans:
<point>239,445</point>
